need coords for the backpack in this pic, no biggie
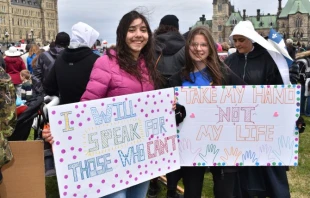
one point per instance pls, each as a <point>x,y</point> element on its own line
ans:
<point>7,116</point>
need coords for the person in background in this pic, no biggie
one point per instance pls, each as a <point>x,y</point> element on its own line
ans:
<point>170,59</point>
<point>34,50</point>
<point>224,52</point>
<point>301,70</point>
<point>7,118</point>
<point>14,65</point>
<point>34,61</point>
<point>291,48</point>
<point>25,55</point>
<point>69,76</point>
<point>46,61</point>
<point>26,90</point>
<point>41,70</point>
<point>169,46</point>
<point>225,47</point>
<point>253,64</point>
<point>94,48</point>
<point>2,63</point>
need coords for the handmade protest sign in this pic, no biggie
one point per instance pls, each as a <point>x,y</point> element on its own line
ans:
<point>106,145</point>
<point>239,125</point>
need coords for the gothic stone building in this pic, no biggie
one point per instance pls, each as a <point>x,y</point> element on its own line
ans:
<point>292,21</point>
<point>28,20</point>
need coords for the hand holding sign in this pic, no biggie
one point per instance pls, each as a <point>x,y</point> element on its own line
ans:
<point>286,150</point>
<point>211,153</point>
<point>249,158</point>
<point>231,157</point>
<point>185,147</point>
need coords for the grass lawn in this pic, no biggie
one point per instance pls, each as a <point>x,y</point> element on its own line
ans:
<point>299,177</point>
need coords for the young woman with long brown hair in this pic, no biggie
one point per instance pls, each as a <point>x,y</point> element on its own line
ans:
<point>202,68</point>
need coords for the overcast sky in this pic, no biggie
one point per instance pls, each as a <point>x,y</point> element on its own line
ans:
<point>104,15</point>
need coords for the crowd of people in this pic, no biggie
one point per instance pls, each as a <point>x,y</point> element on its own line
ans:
<point>142,61</point>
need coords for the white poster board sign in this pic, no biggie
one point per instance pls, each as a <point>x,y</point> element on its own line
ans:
<point>103,146</point>
<point>239,125</point>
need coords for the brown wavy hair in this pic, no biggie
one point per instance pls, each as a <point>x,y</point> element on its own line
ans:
<point>34,61</point>
<point>124,55</point>
<point>212,62</point>
<point>34,49</point>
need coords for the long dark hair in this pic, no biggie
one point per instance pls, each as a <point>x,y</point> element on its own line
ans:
<point>124,56</point>
<point>213,62</point>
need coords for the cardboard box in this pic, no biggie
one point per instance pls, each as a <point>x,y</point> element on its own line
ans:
<point>24,175</point>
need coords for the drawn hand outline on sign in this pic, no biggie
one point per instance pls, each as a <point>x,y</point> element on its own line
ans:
<point>232,156</point>
<point>286,150</point>
<point>265,153</point>
<point>249,158</point>
<point>185,149</point>
<point>211,150</point>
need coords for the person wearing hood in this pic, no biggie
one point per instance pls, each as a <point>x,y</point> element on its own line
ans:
<point>253,64</point>
<point>70,73</point>
<point>14,65</point>
<point>170,53</point>
<point>46,61</point>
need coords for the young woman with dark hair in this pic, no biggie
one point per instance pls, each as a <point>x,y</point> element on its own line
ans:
<point>128,68</point>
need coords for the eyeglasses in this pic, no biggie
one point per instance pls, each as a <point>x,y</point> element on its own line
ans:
<point>202,45</point>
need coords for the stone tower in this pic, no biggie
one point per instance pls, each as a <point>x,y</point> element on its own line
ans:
<point>49,13</point>
<point>221,12</point>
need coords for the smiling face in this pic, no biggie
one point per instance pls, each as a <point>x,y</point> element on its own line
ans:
<point>199,50</point>
<point>242,44</point>
<point>137,37</point>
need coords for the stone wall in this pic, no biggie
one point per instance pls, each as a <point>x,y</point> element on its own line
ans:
<point>19,20</point>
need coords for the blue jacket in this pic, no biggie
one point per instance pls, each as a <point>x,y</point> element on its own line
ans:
<point>29,60</point>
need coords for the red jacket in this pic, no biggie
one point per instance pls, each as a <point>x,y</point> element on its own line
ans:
<point>14,65</point>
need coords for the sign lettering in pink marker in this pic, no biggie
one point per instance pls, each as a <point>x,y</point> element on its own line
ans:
<point>239,125</point>
<point>106,145</point>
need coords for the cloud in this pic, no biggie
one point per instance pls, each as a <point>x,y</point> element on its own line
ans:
<point>104,15</point>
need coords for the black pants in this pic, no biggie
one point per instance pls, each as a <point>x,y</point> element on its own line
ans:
<point>264,182</point>
<point>192,180</point>
<point>225,185</point>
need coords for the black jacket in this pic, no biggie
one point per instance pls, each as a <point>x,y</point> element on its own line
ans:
<point>299,68</point>
<point>43,66</point>
<point>291,51</point>
<point>2,63</point>
<point>70,74</point>
<point>258,68</point>
<point>170,46</point>
<point>255,68</point>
